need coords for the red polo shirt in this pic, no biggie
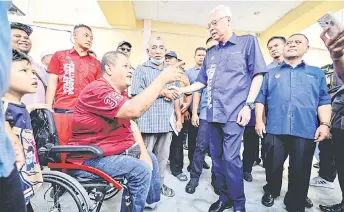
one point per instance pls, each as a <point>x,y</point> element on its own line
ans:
<point>94,121</point>
<point>74,73</point>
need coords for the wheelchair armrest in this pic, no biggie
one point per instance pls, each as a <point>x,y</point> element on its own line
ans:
<point>77,150</point>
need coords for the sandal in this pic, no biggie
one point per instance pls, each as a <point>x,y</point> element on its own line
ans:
<point>181,177</point>
<point>166,191</point>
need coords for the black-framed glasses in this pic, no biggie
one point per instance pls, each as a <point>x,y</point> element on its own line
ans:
<point>215,22</point>
<point>125,49</point>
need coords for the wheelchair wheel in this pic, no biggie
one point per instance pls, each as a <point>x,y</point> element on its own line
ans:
<point>60,193</point>
<point>110,192</point>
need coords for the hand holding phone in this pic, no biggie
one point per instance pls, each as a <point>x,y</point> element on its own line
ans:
<point>335,39</point>
<point>330,22</point>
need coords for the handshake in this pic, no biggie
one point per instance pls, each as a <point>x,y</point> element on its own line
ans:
<point>171,93</point>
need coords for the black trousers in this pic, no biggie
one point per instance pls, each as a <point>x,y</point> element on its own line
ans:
<point>176,152</point>
<point>192,138</point>
<point>11,193</point>
<point>300,152</point>
<point>176,148</point>
<point>251,148</point>
<point>338,142</point>
<point>327,167</point>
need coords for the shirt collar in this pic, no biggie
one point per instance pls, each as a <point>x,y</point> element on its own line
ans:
<point>232,40</point>
<point>73,50</point>
<point>284,64</point>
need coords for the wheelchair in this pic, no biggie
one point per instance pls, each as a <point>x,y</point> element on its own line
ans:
<point>60,189</point>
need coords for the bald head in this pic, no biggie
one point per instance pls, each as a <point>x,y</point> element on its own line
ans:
<point>156,48</point>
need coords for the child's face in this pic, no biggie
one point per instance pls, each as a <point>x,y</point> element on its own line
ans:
<point>23,79</point>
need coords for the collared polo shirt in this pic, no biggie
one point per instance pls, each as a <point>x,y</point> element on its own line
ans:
<point>74,73</point>
<point>95,123</point>
<point>293,96</point>
<point>228,70</point>
<point>157,118</point>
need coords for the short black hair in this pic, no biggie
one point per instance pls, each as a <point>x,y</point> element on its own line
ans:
<point>208,40</point>
<point>76,27</point>
<point>301,35</point>
<point>277,37</point>
<point>18,56</point>
<point>200,49</point>
<point>110,57</point>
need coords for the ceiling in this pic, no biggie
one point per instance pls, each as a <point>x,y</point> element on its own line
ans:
<point>195,12</point>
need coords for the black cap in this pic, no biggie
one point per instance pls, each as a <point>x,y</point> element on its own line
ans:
<point>20,26</point>
<point>124,42</point>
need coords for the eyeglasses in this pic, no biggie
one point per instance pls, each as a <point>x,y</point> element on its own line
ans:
<point>215,22</point>
<point>125,49</point>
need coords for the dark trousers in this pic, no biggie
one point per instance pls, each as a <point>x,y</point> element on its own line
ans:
<point>192,139</point>
<point>225,144</point>
<point>338,142</point>
<point>176,152</point>
<point>202,147</point>
<point>176,149</point>
<point>300,152</point>
<point>11,193</point>
<point>251,148</point>
<point>327,167</point>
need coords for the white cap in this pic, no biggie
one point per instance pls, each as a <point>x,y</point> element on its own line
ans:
<point>45,53</point>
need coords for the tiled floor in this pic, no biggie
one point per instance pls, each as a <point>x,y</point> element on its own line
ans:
<point>204,195</point>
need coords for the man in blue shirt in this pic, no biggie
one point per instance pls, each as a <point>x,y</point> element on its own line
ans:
<point>251,139</point>
<point>233,72</point>
<point>295,94</point>
<point>11,194</point>
<point>335,45</point>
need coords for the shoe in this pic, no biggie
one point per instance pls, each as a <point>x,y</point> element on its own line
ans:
<point>309,203</point>
<point>151,206</point>
<point>316,165</point>
<point>219,206</point>
<point>248,177</point>
<point>205,165</point>
<point>166,191</point>
<point>191,186</point>
<point>268,200</point>
<point>181,177</point>
<point>332,208</point>
<point>321,182</point>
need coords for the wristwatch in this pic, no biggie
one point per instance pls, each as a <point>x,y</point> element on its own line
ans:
<point>251,105</point>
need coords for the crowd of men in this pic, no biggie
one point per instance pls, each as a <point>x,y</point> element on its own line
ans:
<point>228,95</point>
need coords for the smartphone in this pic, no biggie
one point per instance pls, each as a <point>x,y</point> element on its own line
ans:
<point>331,22</point>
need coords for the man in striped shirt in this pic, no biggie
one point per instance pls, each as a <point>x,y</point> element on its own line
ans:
<point>155,123</point>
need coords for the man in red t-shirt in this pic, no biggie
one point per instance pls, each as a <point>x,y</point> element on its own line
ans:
<point>69,72</point>
<point>103,117</point>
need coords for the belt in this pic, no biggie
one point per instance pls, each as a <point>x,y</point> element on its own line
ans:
<point>133,151</point>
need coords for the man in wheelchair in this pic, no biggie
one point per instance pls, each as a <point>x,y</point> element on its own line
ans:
<point>103,117</point>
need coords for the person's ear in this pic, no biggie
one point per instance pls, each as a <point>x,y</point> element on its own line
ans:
<point>108,70</point>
